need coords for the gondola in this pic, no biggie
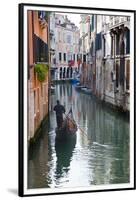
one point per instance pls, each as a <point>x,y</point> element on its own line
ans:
<point>86,90</point>
<point>78,86</point>
<point>68,129</point>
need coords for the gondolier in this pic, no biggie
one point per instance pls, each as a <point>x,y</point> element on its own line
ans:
<point>59,109</point>
<point>68,129</point>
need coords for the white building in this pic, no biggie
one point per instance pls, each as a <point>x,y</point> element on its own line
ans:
<point>85,42</point>
<point>66,39</point>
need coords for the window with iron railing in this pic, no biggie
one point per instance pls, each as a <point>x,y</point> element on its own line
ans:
<point>40,50</point>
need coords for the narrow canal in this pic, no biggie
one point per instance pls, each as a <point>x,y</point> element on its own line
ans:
<point>99,155</point>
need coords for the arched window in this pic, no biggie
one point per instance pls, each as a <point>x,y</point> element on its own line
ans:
<point>60,72</point>
<point>117,44</point>
<point>64,71</point>
<point>68,72</point>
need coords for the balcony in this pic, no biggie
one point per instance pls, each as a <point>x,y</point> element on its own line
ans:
<point>116,21</point>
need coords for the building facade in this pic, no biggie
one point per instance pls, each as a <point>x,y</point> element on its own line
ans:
<point>65,35</point>
<point>116,62</point>
<point>105,54</point>
<point>84,49</point>
<point>38,57</point>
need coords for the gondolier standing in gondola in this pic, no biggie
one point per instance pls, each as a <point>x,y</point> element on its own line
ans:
<point>59,109</point>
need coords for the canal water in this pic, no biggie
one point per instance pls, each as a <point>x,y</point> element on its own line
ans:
<point>98,155</point>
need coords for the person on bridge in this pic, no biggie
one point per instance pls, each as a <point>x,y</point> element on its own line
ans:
<point>59,109</point>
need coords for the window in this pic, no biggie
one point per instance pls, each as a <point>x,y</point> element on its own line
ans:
<point>122,48</point>
<point>74,57</point>
<point>92,49</point>
<point>64,71</point>
<point>84,58</point>
<point>69,39</point>
<point>60,72</point>
<point>90,31</point>
<point>42,14</point>
<point>117,44</point>
<point>40,50</point>
<point>98,41</point>
<point>92,23</point>
<point>117,74</point>
<point>60,57</point>
<point>77,57</point>
<point>64,56</point>
<point>127,41</point>
<point>127,74</point>
<point>54,60</point>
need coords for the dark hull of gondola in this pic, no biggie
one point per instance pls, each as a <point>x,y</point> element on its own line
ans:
<point>65,134</point>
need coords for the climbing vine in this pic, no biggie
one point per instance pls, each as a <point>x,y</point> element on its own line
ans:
<point>41,70</point>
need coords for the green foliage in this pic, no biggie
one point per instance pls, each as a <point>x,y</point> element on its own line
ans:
<point>41,70</point>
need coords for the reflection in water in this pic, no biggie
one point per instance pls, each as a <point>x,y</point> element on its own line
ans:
<point>64,153</point>
<point>99,154</point>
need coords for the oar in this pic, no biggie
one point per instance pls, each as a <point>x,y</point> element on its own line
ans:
<point>73,122</point>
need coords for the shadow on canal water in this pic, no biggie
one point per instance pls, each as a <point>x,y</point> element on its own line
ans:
<point>99,155</point>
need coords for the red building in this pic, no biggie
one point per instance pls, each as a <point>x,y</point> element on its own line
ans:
<point>38,60</point>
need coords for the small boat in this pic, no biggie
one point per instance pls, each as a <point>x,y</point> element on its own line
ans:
<point>68,129</point>
<point>87,90</point>
<point>52,89</point>
<point>75,81</point>
<point>78,86</point>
